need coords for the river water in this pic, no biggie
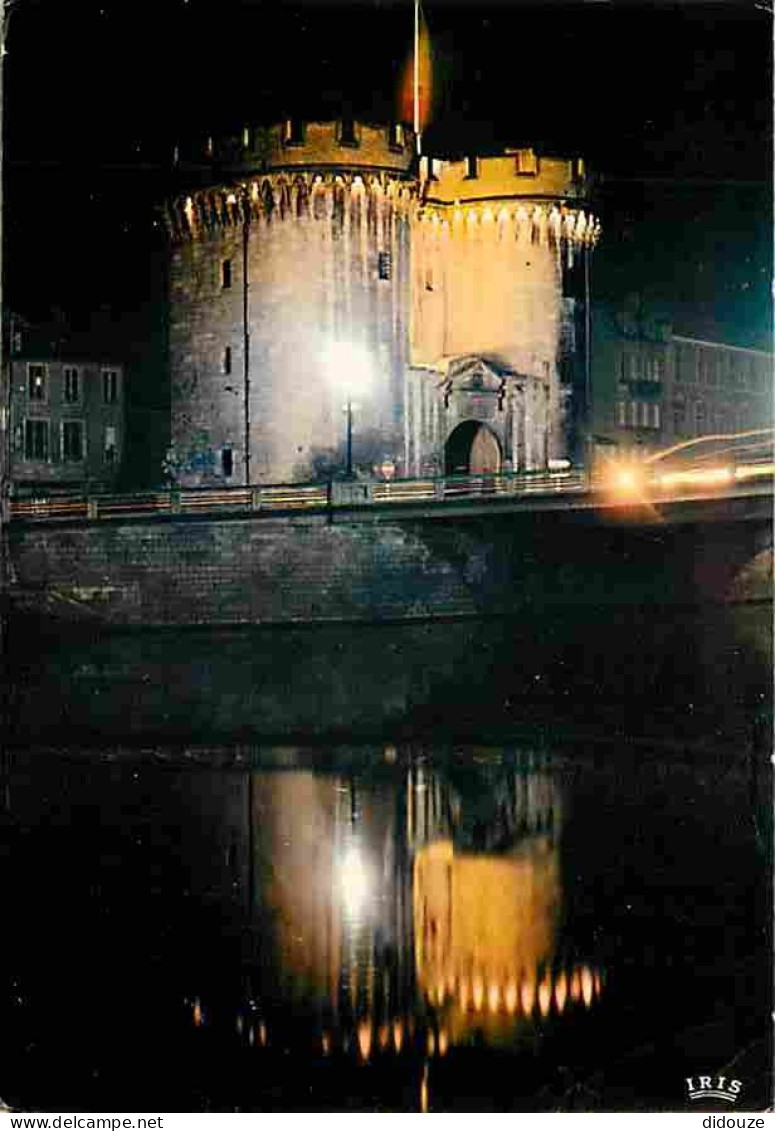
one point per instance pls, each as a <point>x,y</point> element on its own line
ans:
<point>532,918</point>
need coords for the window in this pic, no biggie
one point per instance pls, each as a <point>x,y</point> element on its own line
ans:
<point>384,265</point>
<point>347,133</point>
<point>110,450</point>
<point>226,274</point>
<point>294,132</point>
<point>227,360</point>
<point>36,382</point>
<point>396,136</point>
<point>699,417</point>
<point>109,386</point>
<point>472,168</point>
<point>526,163</point>
<point>72,385</point>
<point>227,462</point>
<point>621,414</point>
<point>36,439</point>
<point>246,137</point>
<point>72,441</point>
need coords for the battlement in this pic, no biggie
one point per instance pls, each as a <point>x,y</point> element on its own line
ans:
<point>517,174</point>
<point>296,144</point>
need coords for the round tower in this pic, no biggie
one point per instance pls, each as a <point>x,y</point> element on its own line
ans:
<point>289,293</point>
<point>493,328</point>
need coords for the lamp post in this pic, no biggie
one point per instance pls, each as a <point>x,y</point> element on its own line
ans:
<point>349,369</point>
<point>349,412</point>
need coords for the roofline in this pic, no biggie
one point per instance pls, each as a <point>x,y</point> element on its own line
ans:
<point>720,345</point>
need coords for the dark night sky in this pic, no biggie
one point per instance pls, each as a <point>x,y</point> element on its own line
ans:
<point>670,103</point>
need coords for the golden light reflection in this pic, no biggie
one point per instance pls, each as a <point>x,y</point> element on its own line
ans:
<point>424,1100</point>
<point>587,985</point>
<point>561,991</point>
<point>527,997</point>
<point>398,1035</point>
<point>544,998</point>
<point>364,1039</point>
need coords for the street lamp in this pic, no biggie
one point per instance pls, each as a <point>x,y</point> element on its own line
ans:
<point>349,368</point>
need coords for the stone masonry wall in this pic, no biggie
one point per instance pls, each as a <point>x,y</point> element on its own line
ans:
<point>309,570</point>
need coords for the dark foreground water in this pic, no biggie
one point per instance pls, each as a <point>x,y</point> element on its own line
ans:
<point>476,865</point>
<point>384,928</point>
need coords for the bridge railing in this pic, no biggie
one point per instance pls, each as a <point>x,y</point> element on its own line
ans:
<point>315,496</point>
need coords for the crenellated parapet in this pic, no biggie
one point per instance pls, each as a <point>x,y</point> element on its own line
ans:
<point>303,194</point>
<point>295,143</point>
<point>517,194</point>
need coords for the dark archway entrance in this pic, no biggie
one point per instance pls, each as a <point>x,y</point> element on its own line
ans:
<point>471,449</point>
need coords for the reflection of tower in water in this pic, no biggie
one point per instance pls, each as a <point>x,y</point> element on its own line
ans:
<point>378,927</point>
<point>487,902</point>
<point>333,897</point>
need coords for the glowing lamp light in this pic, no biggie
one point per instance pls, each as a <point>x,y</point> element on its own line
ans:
<point>348,365</point>
<point>355,882</point>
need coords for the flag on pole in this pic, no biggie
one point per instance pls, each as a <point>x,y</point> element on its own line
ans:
<point>416,90</point>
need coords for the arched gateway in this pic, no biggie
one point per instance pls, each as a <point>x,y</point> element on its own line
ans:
<point>472,448</point>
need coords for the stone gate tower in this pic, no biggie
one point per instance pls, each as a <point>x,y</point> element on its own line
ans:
<point>316,270</point>
<point>492,326</point>
<point>289,299</point>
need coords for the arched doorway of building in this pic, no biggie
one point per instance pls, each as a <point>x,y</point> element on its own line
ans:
<point>473,449</point>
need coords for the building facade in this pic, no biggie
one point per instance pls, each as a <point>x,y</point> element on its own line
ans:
<point>652,389</point>
<point>67,422</point>
<point>323,286</point>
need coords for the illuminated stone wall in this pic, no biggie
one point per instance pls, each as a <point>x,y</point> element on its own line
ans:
<point>314,235</point>
<point>492,244</point>
<point>318,252</point>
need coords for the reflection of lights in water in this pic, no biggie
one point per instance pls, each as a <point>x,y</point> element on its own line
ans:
<point>575,986</point>
<point>197,1014</point>
<point>443,1042</point>
<point>355,882</point>
<point>586,985</point>
<point>493,997</point>
<point>510,997</point>
<point>364,1039</point>
<point>431,1043</point>
<point>544,998</point>
<point>262,1034</point>
<point>478,994</point>
<point>424,1090</point>
<point>325,1042</point>
<point>561,991</point>
<point>398,1035</point>
<point>527,997</point>
<point>383,1037</point>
